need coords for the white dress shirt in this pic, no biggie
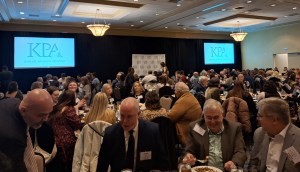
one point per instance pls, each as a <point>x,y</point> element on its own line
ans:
<point>135,135</point>
<point>274,151</point>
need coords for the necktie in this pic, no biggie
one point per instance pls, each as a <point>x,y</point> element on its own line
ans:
<point>29,158</point>
<point>130,151</point>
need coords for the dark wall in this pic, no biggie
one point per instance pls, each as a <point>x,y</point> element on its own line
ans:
<point>109,54</point>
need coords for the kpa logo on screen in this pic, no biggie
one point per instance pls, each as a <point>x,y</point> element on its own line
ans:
<point>218,52</point>
<point>43,50</point>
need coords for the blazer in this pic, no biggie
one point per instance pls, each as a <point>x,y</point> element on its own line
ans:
<point>259,152</point>
<point>113,151</point>
<point>232,143</point>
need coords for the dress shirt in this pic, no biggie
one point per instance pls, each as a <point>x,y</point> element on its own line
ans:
<point>215,149</point>
<point>274,151</point>
<point>135,135</point>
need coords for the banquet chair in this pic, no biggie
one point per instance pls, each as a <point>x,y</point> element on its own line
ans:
<point>169,139</point>
<point>166,102</point>
<point>40,162</point>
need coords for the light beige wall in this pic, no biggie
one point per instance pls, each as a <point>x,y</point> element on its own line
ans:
<point>258,47</point>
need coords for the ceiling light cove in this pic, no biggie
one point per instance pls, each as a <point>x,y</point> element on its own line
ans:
<point>212,7</point>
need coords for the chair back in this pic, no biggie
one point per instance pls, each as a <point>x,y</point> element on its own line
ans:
<point>166,102</point>
<point>169,138</point>
<point>40,161</point>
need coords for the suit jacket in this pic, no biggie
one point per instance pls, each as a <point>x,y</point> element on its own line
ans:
<point>113,151</point>
<point>259,152</point>
<point>232,143</point>
<point>185,110</point>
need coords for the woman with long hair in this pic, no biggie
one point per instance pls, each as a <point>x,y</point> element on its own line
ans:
<point>138,91</point>
<point>99,110</point>
<point>64,121</point>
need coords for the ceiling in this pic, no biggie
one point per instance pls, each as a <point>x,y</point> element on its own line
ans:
<point>214,16</point>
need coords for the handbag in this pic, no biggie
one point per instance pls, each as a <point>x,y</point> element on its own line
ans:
<point>47,156</point>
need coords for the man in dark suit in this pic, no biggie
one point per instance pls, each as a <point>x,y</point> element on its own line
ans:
<point>147,150</point>
<point>277,141</point>
<point>217,138</point>
<point>5,77</point>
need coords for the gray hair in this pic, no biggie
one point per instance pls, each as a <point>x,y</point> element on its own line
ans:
<point>212,104</point>
<point>201,78</point>
<point>104,87</point>
<point>181,86</point>
<point>275,107</point>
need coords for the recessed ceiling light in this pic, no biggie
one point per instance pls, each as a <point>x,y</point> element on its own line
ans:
<point>197,17</point>
<point>248,2</point>
<point>56,15</point>
<point>157,14</point>
<point>294,8</point>
<point>54,20</point>
<point>82,22</point>
<point>201,29</point>
<point>20,2</point>
<point>132,25</point>
<point>178,5</point>
<point>135,0</point>
<point>273,5</point>
<point>184,28</point>
<point>285,16</point>
<point>22,12</point>
<point>166,27</point>
<point>22,18</point>
<point>178,23</point>
<point>246,12</point>
<point>223,9</point>
<point>141,21</point>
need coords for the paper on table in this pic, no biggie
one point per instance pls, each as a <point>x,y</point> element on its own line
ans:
<point>292,154</point>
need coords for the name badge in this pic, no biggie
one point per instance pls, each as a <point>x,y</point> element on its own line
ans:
<point>292,154</point>
<point>111,100</point>
<point>199,129</point>
<point>147,155</point>
<point>140,97</point>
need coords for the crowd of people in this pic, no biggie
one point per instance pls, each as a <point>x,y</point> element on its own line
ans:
<point>219,115</point>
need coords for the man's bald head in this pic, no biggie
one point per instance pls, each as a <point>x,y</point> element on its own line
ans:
<point>35,107</point>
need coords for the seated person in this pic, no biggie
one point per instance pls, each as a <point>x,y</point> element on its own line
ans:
<point>274,139</point>
<point>153,107</point>
<point>138,92</point>
<point>217,138</point>
<point>118,147</point>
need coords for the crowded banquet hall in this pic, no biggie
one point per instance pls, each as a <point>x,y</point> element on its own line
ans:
<point>149,85</point>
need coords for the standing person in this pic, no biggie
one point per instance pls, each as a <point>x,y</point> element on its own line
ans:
<point>217,138</point>
<point>16,118</point>
<point>185,110</point>
<point>275,139</point>
<point>65,121</point>
<point>164,68</point>
<point>13,91</point>
<point>132,143</point>
<point>5,77</point>
<point>129,79</point>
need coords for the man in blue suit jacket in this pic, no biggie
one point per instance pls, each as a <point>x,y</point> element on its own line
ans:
<point>149,153</point>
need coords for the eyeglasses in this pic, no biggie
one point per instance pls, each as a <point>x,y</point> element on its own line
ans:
<point>212,118</point>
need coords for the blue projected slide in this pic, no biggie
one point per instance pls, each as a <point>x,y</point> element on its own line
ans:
<point>218,53</point>
<point>35,52</point>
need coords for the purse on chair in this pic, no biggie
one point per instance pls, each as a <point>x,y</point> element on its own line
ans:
<point>47,156</point>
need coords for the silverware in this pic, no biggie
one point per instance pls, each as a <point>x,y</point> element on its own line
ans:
<point>203,160</point>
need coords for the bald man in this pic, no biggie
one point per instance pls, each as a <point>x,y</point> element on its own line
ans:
<point>148,153</point>
<point>16,117</point>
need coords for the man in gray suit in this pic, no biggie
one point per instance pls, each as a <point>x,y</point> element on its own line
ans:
<point>217,138</point>
<point>277,141</point>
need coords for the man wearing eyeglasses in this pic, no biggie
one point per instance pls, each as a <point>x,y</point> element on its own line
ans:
<point>217,138</point>
<point>277,142</point>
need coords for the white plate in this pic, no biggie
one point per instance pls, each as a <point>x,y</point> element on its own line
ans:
<point>210,167</point>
